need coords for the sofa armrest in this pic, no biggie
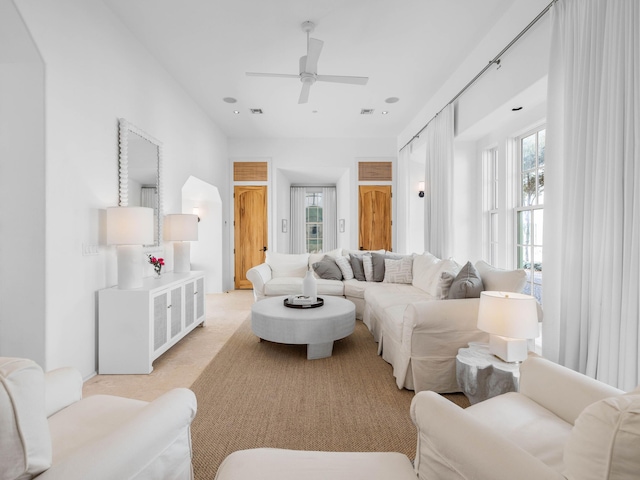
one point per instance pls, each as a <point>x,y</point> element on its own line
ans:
<point>452,444</point>
<point>130,449</point>
<point>445,324</point>
<point>63,387</point>
<point>259,276</point>
<point>559,389</point>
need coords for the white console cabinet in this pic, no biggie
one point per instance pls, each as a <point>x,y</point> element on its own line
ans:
<point>136,326</point>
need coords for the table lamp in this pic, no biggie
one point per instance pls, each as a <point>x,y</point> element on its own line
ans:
<point>511,319</point>
<point>181,228</point>
<point>129,228</point>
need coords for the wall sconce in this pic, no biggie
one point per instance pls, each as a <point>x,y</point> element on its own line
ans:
<point>196,212</point>
<point>181,228</point>
<point>129,228</point>
<point>284,225</point>
<point>341,225</point>
<point>421,189</point>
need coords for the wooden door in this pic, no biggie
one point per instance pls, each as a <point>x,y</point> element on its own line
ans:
<point>374,225</point>
<point>250,229</point>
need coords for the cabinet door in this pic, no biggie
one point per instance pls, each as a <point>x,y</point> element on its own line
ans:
<point>199,294</point>
<point>160,320</point>
<point>176,311</point>
<point>189,303</point>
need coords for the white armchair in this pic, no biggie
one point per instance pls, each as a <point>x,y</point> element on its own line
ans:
<point>561,424</point>
<point>47,431</point>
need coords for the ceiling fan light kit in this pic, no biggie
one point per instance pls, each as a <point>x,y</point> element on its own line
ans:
<point>309,68</point>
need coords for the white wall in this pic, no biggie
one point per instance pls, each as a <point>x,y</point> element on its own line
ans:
<point>22,191</point>
<point>312,161</point>
<point>96,72</point>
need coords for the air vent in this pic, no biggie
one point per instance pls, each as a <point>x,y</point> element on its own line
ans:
<point>366,111</point>
<point>256,111</point>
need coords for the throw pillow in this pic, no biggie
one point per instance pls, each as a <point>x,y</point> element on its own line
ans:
<point>345,267</point>
<point>605,441</point>
<point>444,286</point>
<point>467,283</point>
<point>367,266</point>
<point>379,264</point>
<point>357,267</point>
<point>398,271</point>
<point>287,264</point>
<point>328,269</point>
<point>499,280</point>
<point>421,274</point>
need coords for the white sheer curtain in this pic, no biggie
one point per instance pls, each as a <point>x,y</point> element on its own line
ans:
<point>438,178</point>
<point>297,225</point>
<point>329,219</point>
<point>592,200</point>
<point>402,199</point>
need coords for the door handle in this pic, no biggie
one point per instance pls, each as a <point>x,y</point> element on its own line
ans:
<point>263,249</point>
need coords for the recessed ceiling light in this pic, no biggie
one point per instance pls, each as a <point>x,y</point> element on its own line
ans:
<point>314,111</point>
<point>256,111</point>
<point>237,112</point>
<point>392,100</point>
<point>384,112</point>
<point>229,100</point>
<point>515,109</point>
<point>366,111</point>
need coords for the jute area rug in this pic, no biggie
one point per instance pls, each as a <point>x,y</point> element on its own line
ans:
<point>263,394</point>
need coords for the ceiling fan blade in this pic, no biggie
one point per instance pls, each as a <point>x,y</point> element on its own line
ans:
<point>342,79</point>
<point>313,54</point>
<point>281,75</point>
<point>304,93</point>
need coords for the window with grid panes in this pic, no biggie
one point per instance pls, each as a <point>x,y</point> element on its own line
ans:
<point>530,213</point>
<point>313,213</point>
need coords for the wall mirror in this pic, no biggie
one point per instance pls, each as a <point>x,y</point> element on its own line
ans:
<point>140,165</point>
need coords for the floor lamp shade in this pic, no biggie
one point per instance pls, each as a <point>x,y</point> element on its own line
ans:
<point>129,228</point>
<point>511,319</point>
<point>181,228</point>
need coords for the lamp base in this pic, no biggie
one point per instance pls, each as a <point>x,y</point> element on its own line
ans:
<point>511,350</point>
<point>182,257</point>
<point>129,266</point>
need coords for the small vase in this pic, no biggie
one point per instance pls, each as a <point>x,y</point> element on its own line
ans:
<point>310,286</point>
<point>158,274</point>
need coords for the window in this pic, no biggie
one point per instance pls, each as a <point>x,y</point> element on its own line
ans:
<point>530,212</point>
<point>313,219</point>
<point>490,167</point>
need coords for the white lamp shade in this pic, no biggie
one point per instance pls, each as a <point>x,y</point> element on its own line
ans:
<point>508,314</point>
<point>180,226</point>
<point>129,226</point>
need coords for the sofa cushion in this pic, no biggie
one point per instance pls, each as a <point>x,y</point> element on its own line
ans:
<point>25,439</point>
<point>367,267</point>
<point>328,269</point>
<point>345,267</point>
<point>398,271</point>
<point>444,286</point>
<point>605,441</point>
<point>357,266</point>
<point>317,257</point>
<point>497,279</point>
<point>379,266</point>
<point>527,424</point>
<point>467,283</point>
<point>287,264</point>
<point>427,270</point>
<point>293,286</point>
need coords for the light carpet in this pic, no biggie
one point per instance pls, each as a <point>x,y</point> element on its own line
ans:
<point>263,394</point>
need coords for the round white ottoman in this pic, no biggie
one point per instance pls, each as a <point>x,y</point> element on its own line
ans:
<point>315,327</point>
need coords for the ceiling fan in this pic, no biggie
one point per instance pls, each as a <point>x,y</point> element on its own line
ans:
<point>309,68</point>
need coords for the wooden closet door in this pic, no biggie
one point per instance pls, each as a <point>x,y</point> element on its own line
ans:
<point>250,231</point>
<point>374,206</point>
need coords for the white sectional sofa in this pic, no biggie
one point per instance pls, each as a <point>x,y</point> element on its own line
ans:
<point>420,317</point>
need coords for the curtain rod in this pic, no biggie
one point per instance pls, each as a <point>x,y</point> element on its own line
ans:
<point>495,60</point>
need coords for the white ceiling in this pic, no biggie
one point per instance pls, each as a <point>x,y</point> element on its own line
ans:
<point>407,48</point>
